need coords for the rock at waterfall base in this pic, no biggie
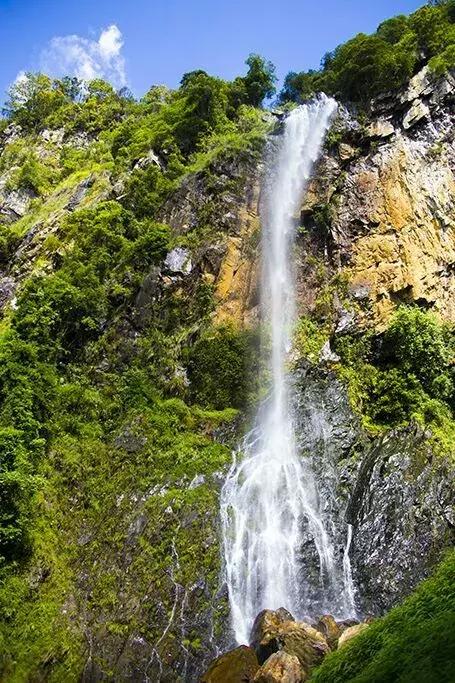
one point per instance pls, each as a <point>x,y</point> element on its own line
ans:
<point>237,666</point>
<point>265,628</point>
<point>350,633</point>
<point>274,631</point>
<point>329,629</point>
<point>280,668</point>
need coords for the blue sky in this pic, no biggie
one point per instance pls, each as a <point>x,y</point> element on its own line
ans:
<point>145,42</point>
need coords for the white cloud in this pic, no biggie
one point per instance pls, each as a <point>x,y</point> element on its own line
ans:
<point>87,59</point>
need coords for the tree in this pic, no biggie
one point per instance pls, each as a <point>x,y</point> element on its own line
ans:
<point>260,80</point>
<point>297,87</point>
<point>32,98</point>
<point>421,346</point>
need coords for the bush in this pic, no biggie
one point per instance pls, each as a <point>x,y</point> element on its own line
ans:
<point>405,373</point>
<point>421,346</point>
<point>218,368</point>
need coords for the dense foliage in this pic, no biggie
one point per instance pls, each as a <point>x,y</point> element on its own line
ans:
<point>414,643</point>
<point>368,65</point>
<point>406,373</point>
<point>95,400</point>
<point>113,374</point>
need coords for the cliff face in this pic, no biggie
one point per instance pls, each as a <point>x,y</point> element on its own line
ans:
<point>130,499</point>
<point>383,199</point>
<point>394,491</point>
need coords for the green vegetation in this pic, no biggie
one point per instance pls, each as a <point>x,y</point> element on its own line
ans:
<point>99,427</point>
<point>221,368</point>
<point>114,377</point>
<point>414,642</point>
<point>368,65</point>
<point>406,373</point>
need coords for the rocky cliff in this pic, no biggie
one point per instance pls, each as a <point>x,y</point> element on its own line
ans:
<point>382,201</point>
<point>124,581</point>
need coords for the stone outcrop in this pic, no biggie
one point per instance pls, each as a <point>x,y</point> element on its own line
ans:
<point>287,650</point>
<point>238,666</point>
<point>330,629</point>
<point>277,631</point>
<point>389,208</point>
<point>281,667</point>
<point>229,204</point>
<point>394,490</point>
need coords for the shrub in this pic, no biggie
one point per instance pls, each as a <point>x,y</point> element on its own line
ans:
<point>420,345</point>
<point>218,368</point>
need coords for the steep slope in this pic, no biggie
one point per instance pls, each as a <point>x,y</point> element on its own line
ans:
<point>129,251</point>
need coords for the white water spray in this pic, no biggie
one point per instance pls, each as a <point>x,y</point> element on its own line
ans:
<point>270,495</point>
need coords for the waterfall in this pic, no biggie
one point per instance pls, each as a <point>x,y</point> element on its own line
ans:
<point>270,493</point>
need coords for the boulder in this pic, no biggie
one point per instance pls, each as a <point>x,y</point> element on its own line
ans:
<point>303,641</point>
<point>273,631</point>
<point>350,633</point>
<point>329,629</point>
<point>265,629</point>
<point>237,666</point>
<point>280,668</point>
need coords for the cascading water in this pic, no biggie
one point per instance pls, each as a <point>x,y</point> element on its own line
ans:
<point>270,493</point>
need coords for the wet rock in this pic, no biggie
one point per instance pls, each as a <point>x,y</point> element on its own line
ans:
<point>347,623</point>
<point>238,666</point>
<point>397,507</point>
<point>351,633</point>
<point>178,261</point>
<point>330,629</point>
<point>263,637</point>
<point>280,667</point>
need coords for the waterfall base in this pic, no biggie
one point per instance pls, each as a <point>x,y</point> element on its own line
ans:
<point>282,649</point>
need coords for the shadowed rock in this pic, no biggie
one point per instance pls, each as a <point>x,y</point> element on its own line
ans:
<point>263,638</point>
<point>329,629</point>
<point>238,666</point>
